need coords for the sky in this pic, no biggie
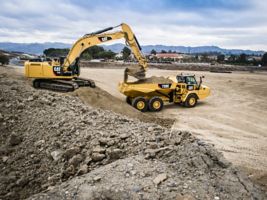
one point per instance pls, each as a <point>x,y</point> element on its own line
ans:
<point>238,24</point>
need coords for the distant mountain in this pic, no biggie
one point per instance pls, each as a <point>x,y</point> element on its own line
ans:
<point>31,48</point>
<point>183,49</point>
<point>38,48</point>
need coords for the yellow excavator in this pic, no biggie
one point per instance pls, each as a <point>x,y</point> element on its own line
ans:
<point>63,74</point>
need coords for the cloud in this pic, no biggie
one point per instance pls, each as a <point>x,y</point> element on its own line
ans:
<point>226,23</point>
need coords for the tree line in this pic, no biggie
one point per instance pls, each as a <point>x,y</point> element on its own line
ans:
<point>94,52</point>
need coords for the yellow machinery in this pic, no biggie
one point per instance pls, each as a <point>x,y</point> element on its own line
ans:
<point>64,75</point>
<point>182,89</point>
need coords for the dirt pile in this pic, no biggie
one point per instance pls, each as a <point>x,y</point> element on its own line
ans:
<point>55,144</point>
<point>101,99</point>
<point>155,79</point>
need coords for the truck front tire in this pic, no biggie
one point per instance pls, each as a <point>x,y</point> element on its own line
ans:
<point>191,101</point>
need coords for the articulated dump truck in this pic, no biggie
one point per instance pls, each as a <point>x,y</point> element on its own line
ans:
<point>152,93</point>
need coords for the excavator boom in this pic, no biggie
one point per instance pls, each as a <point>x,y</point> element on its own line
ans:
<point>101,36</point>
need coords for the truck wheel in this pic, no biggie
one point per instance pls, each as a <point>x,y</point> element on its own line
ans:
<point>140,104</point>
<point>191,101</point>
<point>128,100</point>
<point>155,104</point>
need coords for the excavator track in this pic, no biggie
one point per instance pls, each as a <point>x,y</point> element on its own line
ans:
<point>62,85</point>
<point>82,82</point>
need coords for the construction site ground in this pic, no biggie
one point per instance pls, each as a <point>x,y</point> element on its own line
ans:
<point>151,155</point>
<point>233,118</point>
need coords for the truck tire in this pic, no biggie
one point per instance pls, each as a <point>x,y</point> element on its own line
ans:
<point>155,104</point>
<point>128,100</point>
<point>191,101</point>
<point>140,104</point>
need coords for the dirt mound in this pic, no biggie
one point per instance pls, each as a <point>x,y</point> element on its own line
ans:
<point>99,98</point>
<point>47,139</point>
<point>155,79</point>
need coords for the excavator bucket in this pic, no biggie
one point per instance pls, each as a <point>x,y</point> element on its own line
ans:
<point>137,73</point>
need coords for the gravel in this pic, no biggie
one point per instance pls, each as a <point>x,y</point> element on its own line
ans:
<point>53,146</point>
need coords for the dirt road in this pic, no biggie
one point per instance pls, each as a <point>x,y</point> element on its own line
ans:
<point>233,118</point>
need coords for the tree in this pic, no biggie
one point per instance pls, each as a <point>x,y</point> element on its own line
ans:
<point>163,51</point>
<point>153,52</point>
<point>232,58</point>
<point>106,54</point>
<point>220,58</point>
<point>126,52</point>
<point>4,60</point>
<point>53,52</point>
<point>242,58</point>
<point>264,59</point>
<point>97,52</point>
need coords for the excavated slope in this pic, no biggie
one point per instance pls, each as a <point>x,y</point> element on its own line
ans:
<point>53,146</point>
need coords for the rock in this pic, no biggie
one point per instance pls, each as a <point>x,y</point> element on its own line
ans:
<point>150,129</point>
<point>69,153</point>
<point>1,117</point>
<point>83,170</point>
<point>136,188</point>
<point>56,155</point>
<point>124,136</point>
<point>97,178</point>
<point>22,181</point>
<point>76,160</point>
<point>103,141</point>
<point>216,198</point>
<point>160,178</point>
<point>68,172</point>
<point>4,159</point>
<point>39,143</point>
<point>20,106</point>
<point>14,139</point>
<point>30,98</point>
<point>115,153</point>
<point>87,160</point>
<point>98,156</point>
<point>99,150</point>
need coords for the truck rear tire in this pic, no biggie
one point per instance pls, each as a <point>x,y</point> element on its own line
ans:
<point>155,104</point>
<point>128,100</point>
<point>191,101</point>
<point>140,104</point>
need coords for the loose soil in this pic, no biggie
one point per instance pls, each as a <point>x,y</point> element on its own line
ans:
<point>54,146</point>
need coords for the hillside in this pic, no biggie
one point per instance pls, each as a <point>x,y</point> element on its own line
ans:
<point>38,48</point>
<point>55,144</point>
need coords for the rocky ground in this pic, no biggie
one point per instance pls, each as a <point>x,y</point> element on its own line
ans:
<point>53,146</point>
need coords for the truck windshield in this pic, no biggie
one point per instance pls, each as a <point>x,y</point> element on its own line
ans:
<point>190,80</point>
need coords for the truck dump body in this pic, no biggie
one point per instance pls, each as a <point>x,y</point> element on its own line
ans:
<point>147,90</point>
